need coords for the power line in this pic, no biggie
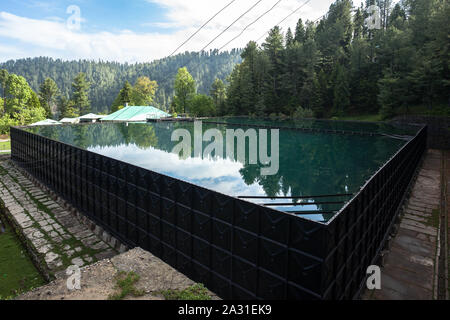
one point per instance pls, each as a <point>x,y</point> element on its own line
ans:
<point>304,4</point>
<point>226,29</point>
<point>204,25</point>
<point>243,30</point>
<point>319,18</point>
<point>297,9</point>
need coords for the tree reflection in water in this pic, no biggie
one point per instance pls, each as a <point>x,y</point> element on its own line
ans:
<point>310,163</point>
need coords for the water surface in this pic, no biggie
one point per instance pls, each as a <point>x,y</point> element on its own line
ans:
<point>310,163</point>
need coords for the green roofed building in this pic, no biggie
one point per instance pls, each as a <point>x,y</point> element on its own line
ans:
<point>135,114</point>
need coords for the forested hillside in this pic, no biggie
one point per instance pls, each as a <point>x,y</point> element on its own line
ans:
<point>107,78</point>
<point>333,67</point>
<point>338,66</point>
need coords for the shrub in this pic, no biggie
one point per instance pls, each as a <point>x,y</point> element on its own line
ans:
<point>126,285</point>
<point>202,106</point>
<point>194,292</point>
<point>301,113</point>
<point>5,123</point>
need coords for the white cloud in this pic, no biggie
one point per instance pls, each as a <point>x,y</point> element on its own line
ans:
<point>9,50</point>
<point>51,37</point>
<point>221,175</point>
<point>194,13</point>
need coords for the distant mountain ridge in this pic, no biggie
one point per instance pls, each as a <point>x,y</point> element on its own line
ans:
<point>107,78</point>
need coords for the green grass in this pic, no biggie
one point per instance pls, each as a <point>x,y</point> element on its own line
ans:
<point>438,110</point>
<point>433,220</point>
<point>17,272</point>
<point>125,283</point>
<point>5,145</point>
<point>366,117</point>
<point>195,292</point>
<point>72,242</point>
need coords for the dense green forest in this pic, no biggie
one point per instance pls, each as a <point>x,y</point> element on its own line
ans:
<point>334,67</point>
<point>107,78</point>
<point>339,66</point>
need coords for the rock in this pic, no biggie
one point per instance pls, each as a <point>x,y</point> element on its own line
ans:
<point>51,257</point>
<point>78,262</point>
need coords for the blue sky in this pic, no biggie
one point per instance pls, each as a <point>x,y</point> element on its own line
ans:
<point>99,15</point>
<point>135,30</point>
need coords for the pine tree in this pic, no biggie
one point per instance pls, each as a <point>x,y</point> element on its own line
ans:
<point>273,48</point>
<point>341,95</point>
<point>289,38</point>
<point>387,97</point>
<point>125,93</point>
<point>218,94</point>
<point>81,94</point>
<point>123,97</point>
<point>358,24</point>
<point>66,108</point>
<point>300,33</point>
<point>48,94</point>
<point>397,17</point>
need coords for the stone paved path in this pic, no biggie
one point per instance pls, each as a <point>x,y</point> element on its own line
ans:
<point>409,269</point>
<point>447,208</point>
<point>56,238</point>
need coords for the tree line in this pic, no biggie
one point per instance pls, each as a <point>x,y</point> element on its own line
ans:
<point>339,66</point>
<point>108,78</point>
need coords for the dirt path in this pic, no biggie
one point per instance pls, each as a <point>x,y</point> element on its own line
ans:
<point>98,280</point>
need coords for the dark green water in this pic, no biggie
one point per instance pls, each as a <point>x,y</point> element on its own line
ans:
<point>310,164</point>
<point>347,126</point>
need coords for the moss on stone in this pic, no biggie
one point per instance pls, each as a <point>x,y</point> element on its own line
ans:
<point>194,292</point>
<point>125,283</point>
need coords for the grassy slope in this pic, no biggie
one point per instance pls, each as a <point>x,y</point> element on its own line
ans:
<point>439,110</point>
<point>17,272</point>
<point>5,145</point>
<point>367,117</point>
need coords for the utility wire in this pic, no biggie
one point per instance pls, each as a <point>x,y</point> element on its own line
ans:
<point>319,18</point>
<point>257,19</point>
<point>301,6</point>
<point>204,25</point>
<point>297,9</point>
<point>226,29</point>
